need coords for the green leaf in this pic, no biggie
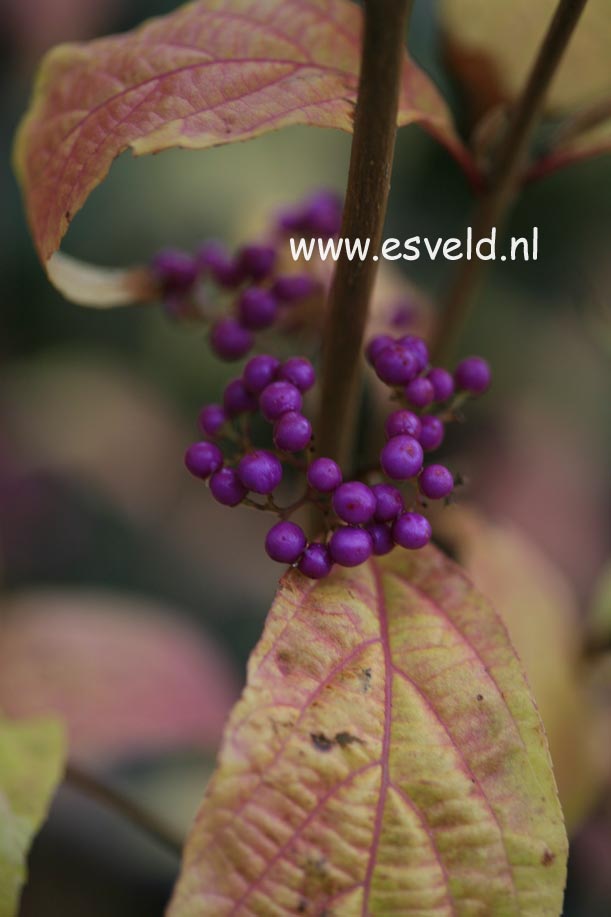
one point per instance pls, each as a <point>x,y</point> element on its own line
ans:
<point>212,72</point>
<point>385,759</point>
<point>32,756</point>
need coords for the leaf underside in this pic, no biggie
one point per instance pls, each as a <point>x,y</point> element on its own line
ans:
<point>386,759</point>
<point>213,72</point>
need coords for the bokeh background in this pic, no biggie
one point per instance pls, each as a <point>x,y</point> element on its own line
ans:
<point>97,514</point>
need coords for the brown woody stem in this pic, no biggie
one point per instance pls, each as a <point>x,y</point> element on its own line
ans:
<point>110,798</point>
<point>505,173</point>
<point>375,127</point>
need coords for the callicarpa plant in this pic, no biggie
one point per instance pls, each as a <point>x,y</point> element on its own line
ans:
<point>386,756</point>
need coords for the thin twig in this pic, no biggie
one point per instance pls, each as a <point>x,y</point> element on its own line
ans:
<point>365,209</point>
<point>110,798</point>
<point>506,172</point>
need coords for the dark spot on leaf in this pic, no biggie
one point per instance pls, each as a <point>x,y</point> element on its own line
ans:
<point>345,738</point>
<point>480,697</point>
<point>548,857</point>
<point>68,215</point>
<point>321,742</point>
<point>365,680</point>
<point>283,661</point>
<point>302,906</point>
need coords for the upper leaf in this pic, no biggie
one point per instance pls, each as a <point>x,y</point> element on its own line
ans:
<point>385,759</point>
<point>212,72</point>
<point>124,678</point>
<point>31,761</point>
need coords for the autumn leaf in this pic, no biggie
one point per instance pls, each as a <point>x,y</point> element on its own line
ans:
<point>213,72</point>
<point>491,46</point>
<point>124,677</point>
<point>385,759</point>
<point>31,761</point>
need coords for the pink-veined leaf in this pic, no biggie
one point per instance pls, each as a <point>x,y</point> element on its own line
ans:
<point>32,754</point>
<point>385,759</point>
<point>124,676</point>
<point>213,72</point>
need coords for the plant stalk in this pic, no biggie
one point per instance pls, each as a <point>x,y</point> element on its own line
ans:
<point>505,173</point>
<point>110,798</point>
<point>375,128</point>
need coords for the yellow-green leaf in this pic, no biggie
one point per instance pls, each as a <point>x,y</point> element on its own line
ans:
<point>491,46</point>
<point>503,38</point>
<point>212,72</point>
<point>385,759</point>
<point>31,762</point>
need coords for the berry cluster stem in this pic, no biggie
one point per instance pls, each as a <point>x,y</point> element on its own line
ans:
<point>505,173</point>
<point>110,798</point>
<point>375,127</point>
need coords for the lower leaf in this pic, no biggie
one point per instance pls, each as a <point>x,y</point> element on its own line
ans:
<point>386,758</point>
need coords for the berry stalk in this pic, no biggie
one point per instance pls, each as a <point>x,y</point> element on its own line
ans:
<point>365,209</point>
<point>505,173</point>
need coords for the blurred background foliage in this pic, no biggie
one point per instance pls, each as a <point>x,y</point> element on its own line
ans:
<point>97,407</point>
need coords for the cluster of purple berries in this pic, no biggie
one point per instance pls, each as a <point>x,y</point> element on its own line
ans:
<point>361,519</point>
<point>259,290</point>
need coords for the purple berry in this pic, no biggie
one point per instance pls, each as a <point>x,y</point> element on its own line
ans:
<point>299,372</point>
<point>316,561</point>
<point>212,418</point>
<point>473,375</point>
<point>259,372</point>
<point>213,258</point>
<point>396,365</point>
<point>279,398</point>
<point>420,392</point>
<point>257,309</point>
<point>292,432</point>
<point>432,433</point>
<point>389,502</point>
<point>401,458</point>
<point>226,487</point>
<point>419,349</point>
<point>403,423</point>
<point>229,339</point>
<point>260,471</point>
<point>285,542</point>
<point>257,261</point>
<point>354,502</point>
<point>324,475</point>
<point>174,270</point>
<point>293,287</point>
<point>203,459</point>
<point>381,537</point>
<point>323,214</point>
<point>350,546</point>
<point>436,482</point>
<point>442,382</point>
<point>237,399</point>
<point>376,345</point>
<point>411,530</point>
